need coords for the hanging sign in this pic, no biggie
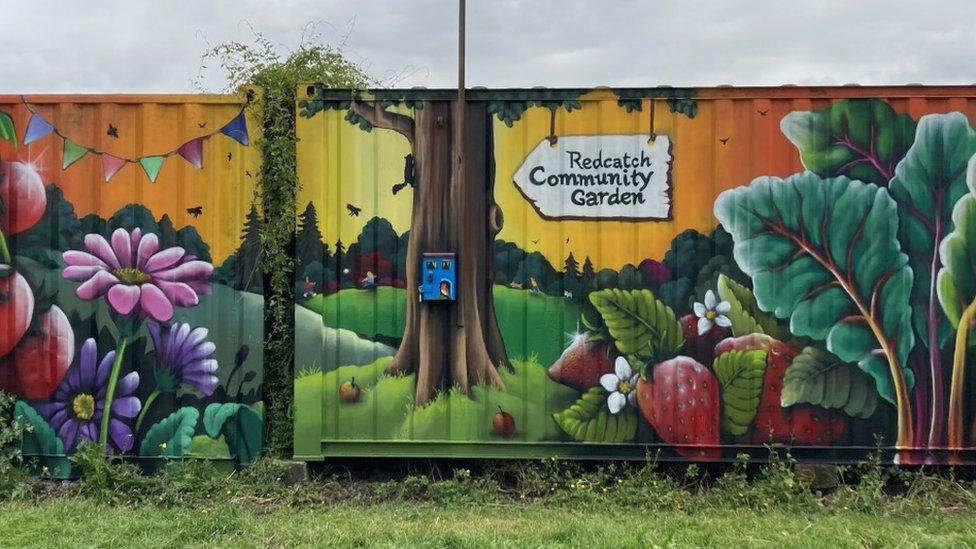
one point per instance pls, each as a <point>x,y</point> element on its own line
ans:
<point>614,177</point>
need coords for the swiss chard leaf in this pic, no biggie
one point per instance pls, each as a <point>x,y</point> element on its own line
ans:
<point>241,426</point>
<point>7,130</point>
<point>41,443</point>
<point>741,376</point>
<point>957,279</point>
<point>860,138</point>
<point>927,183</point>
<point>819,378</point>
<point>824,253</point>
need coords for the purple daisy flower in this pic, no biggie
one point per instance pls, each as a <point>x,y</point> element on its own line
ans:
<point>136,276</point>
<point>75,410</point>
<point>184,357</point>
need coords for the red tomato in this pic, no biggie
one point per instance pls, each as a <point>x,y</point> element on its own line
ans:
<point>41,360</point>
<point>16,310</point>
<point>23,197</point>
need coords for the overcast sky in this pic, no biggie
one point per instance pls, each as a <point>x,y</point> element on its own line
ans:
<point>138,45</point>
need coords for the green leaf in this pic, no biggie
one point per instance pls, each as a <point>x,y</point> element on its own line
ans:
<point>860,138</point>
<point>745,314</point>
<point>639,323</point>
<point>171,436</point>
<point>820,378</point>
<point>957,278</point>
<point>41,443</point>
<point>241,426</point>
<point>824,253</point>
<point>927,184</point>
<point>740,374</point>
<point>7,130</point>
<point>589,419</point>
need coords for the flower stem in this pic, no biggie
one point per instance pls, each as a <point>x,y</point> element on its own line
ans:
<point>145,407</point>
<point>113,380</point>
<point>959,376</point>
<point>4,251</point>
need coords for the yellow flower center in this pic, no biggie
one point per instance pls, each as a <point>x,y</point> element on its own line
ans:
<point>624,386</point>
<point>83,405</point>
<point>710,315</point>
<point>131,276</point>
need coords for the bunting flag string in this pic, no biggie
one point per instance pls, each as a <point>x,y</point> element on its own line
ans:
<point>151,164</point>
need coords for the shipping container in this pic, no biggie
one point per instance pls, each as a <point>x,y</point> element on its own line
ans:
<point>674,273</point>
<point>131,300</point>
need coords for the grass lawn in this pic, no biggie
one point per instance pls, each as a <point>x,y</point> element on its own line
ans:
<point>532,325</point>
<point>76,522</point>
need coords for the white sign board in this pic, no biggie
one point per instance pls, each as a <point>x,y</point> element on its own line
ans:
<point>599,177</point>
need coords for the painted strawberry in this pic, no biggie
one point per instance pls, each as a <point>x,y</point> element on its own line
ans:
<point>800,425</point>
<point>681,401</point>
<point>700,346</point>
<point>582,363</point>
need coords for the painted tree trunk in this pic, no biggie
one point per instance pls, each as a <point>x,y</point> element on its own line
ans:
<point>452,344</point>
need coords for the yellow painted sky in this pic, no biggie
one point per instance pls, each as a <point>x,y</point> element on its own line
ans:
<point>340,164</point>
<point>147,126</point>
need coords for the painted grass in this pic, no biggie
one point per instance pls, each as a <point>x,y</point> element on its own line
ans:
<point>75,522</point>
<point>532,325</point>
<point>385,410</point>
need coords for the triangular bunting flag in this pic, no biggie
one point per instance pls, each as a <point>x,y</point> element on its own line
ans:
<point>236,129</point>
<point>71,153</point>
<point>192,151</point>
<point>37,128</point>
<point>151,165</point>
<point>111,165</point>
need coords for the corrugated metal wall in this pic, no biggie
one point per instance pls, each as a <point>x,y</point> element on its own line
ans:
<point>349,324</point>
<point>125,215</point>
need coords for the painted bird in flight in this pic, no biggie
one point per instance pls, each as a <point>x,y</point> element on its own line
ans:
<point>353,211</point>
<point>113,130</point>
<point>195,211</point>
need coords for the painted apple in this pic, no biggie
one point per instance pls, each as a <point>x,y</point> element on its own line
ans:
<point>16,309</point>
<point>502,423</point>
<point>349,391</point>
<point>22,196</point>
<point>41,360</point>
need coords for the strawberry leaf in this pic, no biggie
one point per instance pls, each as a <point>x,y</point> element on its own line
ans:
<point>740,374</point>
<point>820,378</point>
<point>640,324</point>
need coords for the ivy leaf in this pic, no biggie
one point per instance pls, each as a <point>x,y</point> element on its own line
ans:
<point>819,378</point>
<point>927,184</point>
<point>745,314</point>
<point>824,253</point>
<point>589,419</point>
<point>861,138</point>
<point>7,130</point>
<point>41,443</point>
<point>740,374</point>
<point>241,426</point>
<point>172,435</point>
<point>640,324</point>
<point>957,278</point>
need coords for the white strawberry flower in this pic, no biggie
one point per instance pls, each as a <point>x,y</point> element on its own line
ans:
<point>712,312</point>
<point>621,384</point>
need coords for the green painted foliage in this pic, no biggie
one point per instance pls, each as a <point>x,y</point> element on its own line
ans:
<point>860,138</point>
<point>819,378</point>
<point>241,426</point>
<point>41,442</point>
<point>640,324</point>
<point>7,130</point>
<point>589,419</point>
<point>957,279</point>
<point>824,253</point>
<point>745,314</point>
<point>172,435</point>
<point>928,183</point>
<point>740,374</point>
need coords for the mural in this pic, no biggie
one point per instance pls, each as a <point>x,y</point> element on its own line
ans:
<point>799,276</point>
<point>130,294</point>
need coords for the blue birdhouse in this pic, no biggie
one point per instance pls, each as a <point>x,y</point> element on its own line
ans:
<point>438,273</point>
